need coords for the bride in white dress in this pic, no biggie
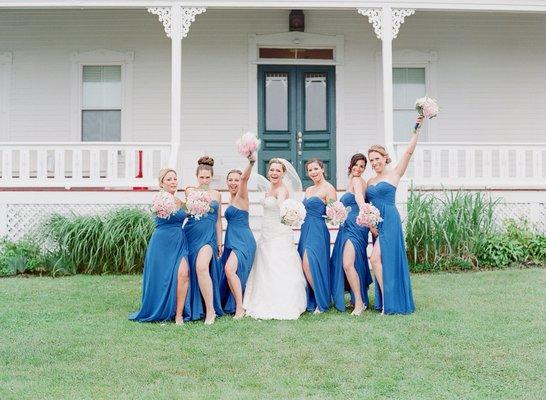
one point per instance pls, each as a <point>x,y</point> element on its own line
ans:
<point>276,285</point>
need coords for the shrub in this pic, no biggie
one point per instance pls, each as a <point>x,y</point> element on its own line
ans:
<point>441,232</point>
<point>24,256</point>
<point>499,251</point>
<point>112,243</point>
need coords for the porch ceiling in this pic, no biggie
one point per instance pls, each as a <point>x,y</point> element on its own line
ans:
<point>477,5</point>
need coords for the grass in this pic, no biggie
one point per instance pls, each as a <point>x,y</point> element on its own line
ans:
<point>474,336</point>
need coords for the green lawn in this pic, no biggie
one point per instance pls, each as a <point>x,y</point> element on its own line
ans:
<point>474,336</point>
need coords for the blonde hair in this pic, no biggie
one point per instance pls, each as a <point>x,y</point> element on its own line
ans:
<point>163,173</point>
<point>205,163</point>
<point>381,150</point>
<point>276,161</point>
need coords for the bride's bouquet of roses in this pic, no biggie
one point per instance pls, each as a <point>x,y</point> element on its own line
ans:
<point>248,144</point>
<point>292,213</point>
<point>336,213</point>
<point>198,203</point>
<point>369,216</point>
<point>164,204</point>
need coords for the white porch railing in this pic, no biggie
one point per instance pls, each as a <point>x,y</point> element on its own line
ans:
<point>477,165</point>
<point>89,164</point>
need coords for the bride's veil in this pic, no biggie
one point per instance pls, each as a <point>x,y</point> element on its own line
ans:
<point>290,179</point>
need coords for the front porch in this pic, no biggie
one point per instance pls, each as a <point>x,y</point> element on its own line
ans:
<point>187,85</point>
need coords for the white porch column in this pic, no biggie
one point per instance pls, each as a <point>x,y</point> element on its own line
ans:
<point>386,23</point>
<point>176,21</point>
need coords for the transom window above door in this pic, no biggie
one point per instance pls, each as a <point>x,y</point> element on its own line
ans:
<point>101,103</point>
<point>296,53</point>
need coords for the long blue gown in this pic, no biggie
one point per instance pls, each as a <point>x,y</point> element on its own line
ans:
<point>200,233</point>
<point>315,241</point>
<point>166,249</point>
<point>240,240</point>
<point>398,297</point>
<point>358,236</point>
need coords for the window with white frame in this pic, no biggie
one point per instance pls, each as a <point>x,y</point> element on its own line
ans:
<point>101,95</point>
<point>409,84</point>
<point>101,103</point>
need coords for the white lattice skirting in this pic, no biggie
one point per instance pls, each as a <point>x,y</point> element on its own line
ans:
<point>19,218</point>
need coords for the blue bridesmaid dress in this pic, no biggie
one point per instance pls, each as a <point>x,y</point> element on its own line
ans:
<point>240,240</point>
<point>398,297</point>
<point>200,233</point>
<point>358,236</point>
<point>315,240</point>
<point>167,247</point>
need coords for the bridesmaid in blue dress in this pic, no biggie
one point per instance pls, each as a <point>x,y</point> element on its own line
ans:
<point>393,293</point>
<point>240,244</point>
<point>165,279</point>
<point>205,248</point>
<point>314,244</point>
<point>349,259</point>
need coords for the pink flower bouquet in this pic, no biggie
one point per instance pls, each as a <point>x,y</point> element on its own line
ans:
<point>336,213</point>
<point>427,107</point>
<point>369,216</point>
<point>292,213</point>
<point>198,203</point>
<point>248,144</point>
<point>163,204</point>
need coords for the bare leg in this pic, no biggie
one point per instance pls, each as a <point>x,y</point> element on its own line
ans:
<point>205,282</point>
<point>349,257</point>
<point>235,284</point>
<point>181,290</point>
<point>307,270</point>
<point>377,267</point>
<point>308,276</point>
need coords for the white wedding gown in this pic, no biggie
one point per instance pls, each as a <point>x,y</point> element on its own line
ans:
<point>276,286</point>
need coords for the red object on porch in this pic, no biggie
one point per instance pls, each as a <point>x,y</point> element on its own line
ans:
<point>140,174</point>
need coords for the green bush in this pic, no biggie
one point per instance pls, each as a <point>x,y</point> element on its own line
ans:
<point>24,256</point>
<point>112,243</point>
<point>537,248</point>
<point>441,232</point>
<point>499,251</point>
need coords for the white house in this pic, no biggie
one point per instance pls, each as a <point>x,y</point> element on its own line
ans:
<point>100,94</point>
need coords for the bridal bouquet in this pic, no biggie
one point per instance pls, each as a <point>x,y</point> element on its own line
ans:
<point>198,203</point>
<point>292,213</point>
<point>369,216</point>
<point>336,213</point>
<point>248,144</point>
<point>163,204</point>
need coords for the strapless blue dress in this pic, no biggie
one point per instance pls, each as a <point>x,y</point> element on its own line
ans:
<point>200,233</point>
<point>240,240</point>
<point>166,249</point>
<point>358,236</point>
<point>397,296</point>
<point>315,241</point>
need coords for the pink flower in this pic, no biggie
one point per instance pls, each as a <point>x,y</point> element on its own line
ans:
<point>198,203</point>
<point>369,216</point>
<point>427,107</point>
<point>336,213</point>
<point>164,204</point>
<point>248,144</point>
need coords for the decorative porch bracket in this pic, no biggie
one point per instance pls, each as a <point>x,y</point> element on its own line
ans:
<point>176,22</point>
<point>386,23</point>
<point>188,15</point>
<point>375,16</point>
